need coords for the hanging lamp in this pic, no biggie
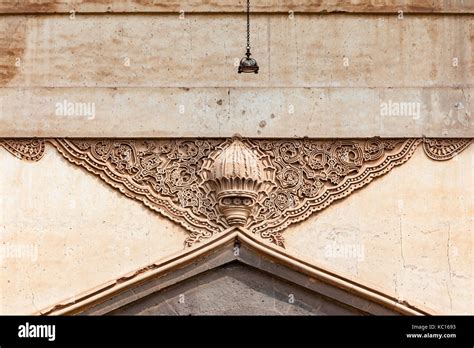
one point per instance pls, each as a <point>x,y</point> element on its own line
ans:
<point>248,64</point>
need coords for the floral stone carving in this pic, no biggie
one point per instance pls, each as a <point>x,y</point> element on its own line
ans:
<point>236,178</point>
<point>209,185</point>
<point>25,149</point>
<point>444,149</point>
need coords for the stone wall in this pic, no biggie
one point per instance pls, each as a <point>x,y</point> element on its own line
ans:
<point>328,68</point>
<point>408,234</point>
<point>64,232</point>
<point>171,74</point>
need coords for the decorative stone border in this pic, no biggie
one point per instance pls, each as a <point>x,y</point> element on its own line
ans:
<point>210,185</point>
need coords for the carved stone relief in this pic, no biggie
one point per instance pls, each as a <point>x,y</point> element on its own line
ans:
<point>209,185</point>
<point>25,149</point>
<point>444,149</point>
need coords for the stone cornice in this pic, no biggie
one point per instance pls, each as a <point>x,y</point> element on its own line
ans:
<point>227,6</point>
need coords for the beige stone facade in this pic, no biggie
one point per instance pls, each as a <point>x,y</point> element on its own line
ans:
<point>353,164</point>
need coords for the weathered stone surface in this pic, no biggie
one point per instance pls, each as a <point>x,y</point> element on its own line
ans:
<point>210,263</point>
<point>62,232</point>
<point>412,6</point>
<point>409,232</point>
<point>235,289</point>
<point>223,112</point>
<point>161,76</point>
<point>201,51</point>
<point>399,233</point>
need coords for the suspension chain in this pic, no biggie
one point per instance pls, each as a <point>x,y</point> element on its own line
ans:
<point>248,25</point>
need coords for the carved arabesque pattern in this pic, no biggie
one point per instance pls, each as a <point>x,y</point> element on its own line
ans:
<point>314,173</point>
<point>25,149</point>
<point>444,149</point>
<point>306,175</point>
<point>160,173</point>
